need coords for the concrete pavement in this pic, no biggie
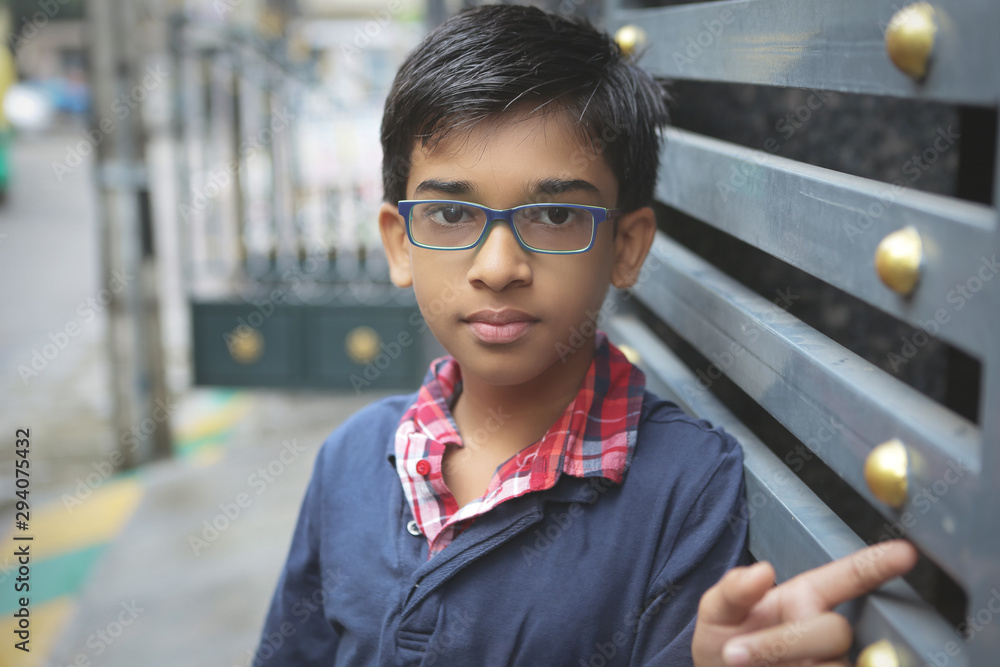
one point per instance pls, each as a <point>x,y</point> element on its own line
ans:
<point>188,579</point>
<point>53,385</point>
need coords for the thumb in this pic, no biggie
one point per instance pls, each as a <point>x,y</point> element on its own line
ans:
<point>729,602</point>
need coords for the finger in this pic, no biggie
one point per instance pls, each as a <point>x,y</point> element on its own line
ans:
<point>858,573</point>
<point>730,601</point>
<point>823,637</point>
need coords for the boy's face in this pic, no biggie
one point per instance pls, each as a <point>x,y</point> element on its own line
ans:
<point>506,314</point>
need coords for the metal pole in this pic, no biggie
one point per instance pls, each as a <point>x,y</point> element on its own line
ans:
<point>120,83</point>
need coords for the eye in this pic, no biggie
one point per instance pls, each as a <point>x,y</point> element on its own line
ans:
<point>449,214</point>
<point>556,215</point>
<point>559,215</point>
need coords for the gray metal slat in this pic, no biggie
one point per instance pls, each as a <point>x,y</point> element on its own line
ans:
<point>835,402</point>
<point>821,44</point>
<point>984,545</point>
<point>829,224</point>
<point>783,511</point>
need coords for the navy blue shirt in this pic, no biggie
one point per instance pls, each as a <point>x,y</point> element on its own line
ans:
<point>586,573</point>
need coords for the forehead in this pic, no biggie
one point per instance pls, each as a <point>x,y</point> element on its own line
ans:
<point>512,157</point>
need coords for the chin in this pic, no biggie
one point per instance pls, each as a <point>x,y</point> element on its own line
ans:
<point>508,368</point>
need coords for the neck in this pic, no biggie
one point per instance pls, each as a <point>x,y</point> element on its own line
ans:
<point>503,420</point>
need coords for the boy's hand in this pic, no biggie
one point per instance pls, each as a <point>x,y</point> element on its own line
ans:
<point>746,620</point>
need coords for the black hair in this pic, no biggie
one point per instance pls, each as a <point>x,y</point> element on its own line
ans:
<point>497,58</point>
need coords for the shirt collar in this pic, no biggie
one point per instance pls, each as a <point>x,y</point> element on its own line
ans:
<point>596,434</point>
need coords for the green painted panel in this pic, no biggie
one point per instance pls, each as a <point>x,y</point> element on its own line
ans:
<point>50,578</point>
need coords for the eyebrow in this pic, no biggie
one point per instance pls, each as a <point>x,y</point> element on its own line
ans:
<point>447,187</point>
<point>558,186</point>
<point>546,187</point>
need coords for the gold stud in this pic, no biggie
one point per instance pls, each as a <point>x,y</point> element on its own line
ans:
<point>630,39</point>
<point>362,344</point>
<point>245,344</point>
<point>630,353</point>
<point>886,472</point>
<point>898,259</point>
<point>909,38</point>
<point>880,654</point>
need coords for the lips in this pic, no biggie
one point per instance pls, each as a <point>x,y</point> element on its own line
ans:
<point>499,326</point>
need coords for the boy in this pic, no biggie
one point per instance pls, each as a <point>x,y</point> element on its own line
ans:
<point>532,504</point>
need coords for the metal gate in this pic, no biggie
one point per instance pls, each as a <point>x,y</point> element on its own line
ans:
<point>926,465</point>
<point>280,185</point>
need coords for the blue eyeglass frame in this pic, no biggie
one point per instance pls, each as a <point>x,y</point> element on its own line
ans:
<point>600,214</point>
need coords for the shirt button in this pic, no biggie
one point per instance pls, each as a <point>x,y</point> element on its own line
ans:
<point>413,528</point>
<point>423,467</point>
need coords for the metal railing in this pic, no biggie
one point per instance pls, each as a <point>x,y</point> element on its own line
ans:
<point>279,169</point>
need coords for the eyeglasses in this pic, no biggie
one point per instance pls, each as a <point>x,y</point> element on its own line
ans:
<point>556,229</point>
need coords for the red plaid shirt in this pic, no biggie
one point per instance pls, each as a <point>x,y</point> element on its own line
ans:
<point>594,437</point>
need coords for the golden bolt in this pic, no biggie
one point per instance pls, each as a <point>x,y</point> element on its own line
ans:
<point>880,654</point>
<point>246,344</point>
<point>886,473</point>
<point>909,38</point>
<point>362,344</point>
<point>630,39</point>
<point>630,353</point>
<point>898,259</point>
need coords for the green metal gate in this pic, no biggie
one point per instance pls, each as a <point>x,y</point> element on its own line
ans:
<point>279,189</point>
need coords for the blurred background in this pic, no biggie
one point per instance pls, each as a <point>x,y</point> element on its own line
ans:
<point>195,298</point>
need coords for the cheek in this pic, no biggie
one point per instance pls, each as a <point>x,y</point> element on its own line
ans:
<point>578,290</point>
<point>438,285</point>
<point>434,298</point>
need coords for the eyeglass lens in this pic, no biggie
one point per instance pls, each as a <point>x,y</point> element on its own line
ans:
<point>453,224</point>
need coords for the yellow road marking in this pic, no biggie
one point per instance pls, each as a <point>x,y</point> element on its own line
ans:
<point>214,422</point>
<point>48,621</point>
<point>57,529</point>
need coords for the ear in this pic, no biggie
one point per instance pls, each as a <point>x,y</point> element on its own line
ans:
<point>397,245</point>
<point>636,231</point>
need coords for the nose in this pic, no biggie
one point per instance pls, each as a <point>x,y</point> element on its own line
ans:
<point>499,260</point>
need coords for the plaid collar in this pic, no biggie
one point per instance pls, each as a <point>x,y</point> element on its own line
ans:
<point>594,437</point>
